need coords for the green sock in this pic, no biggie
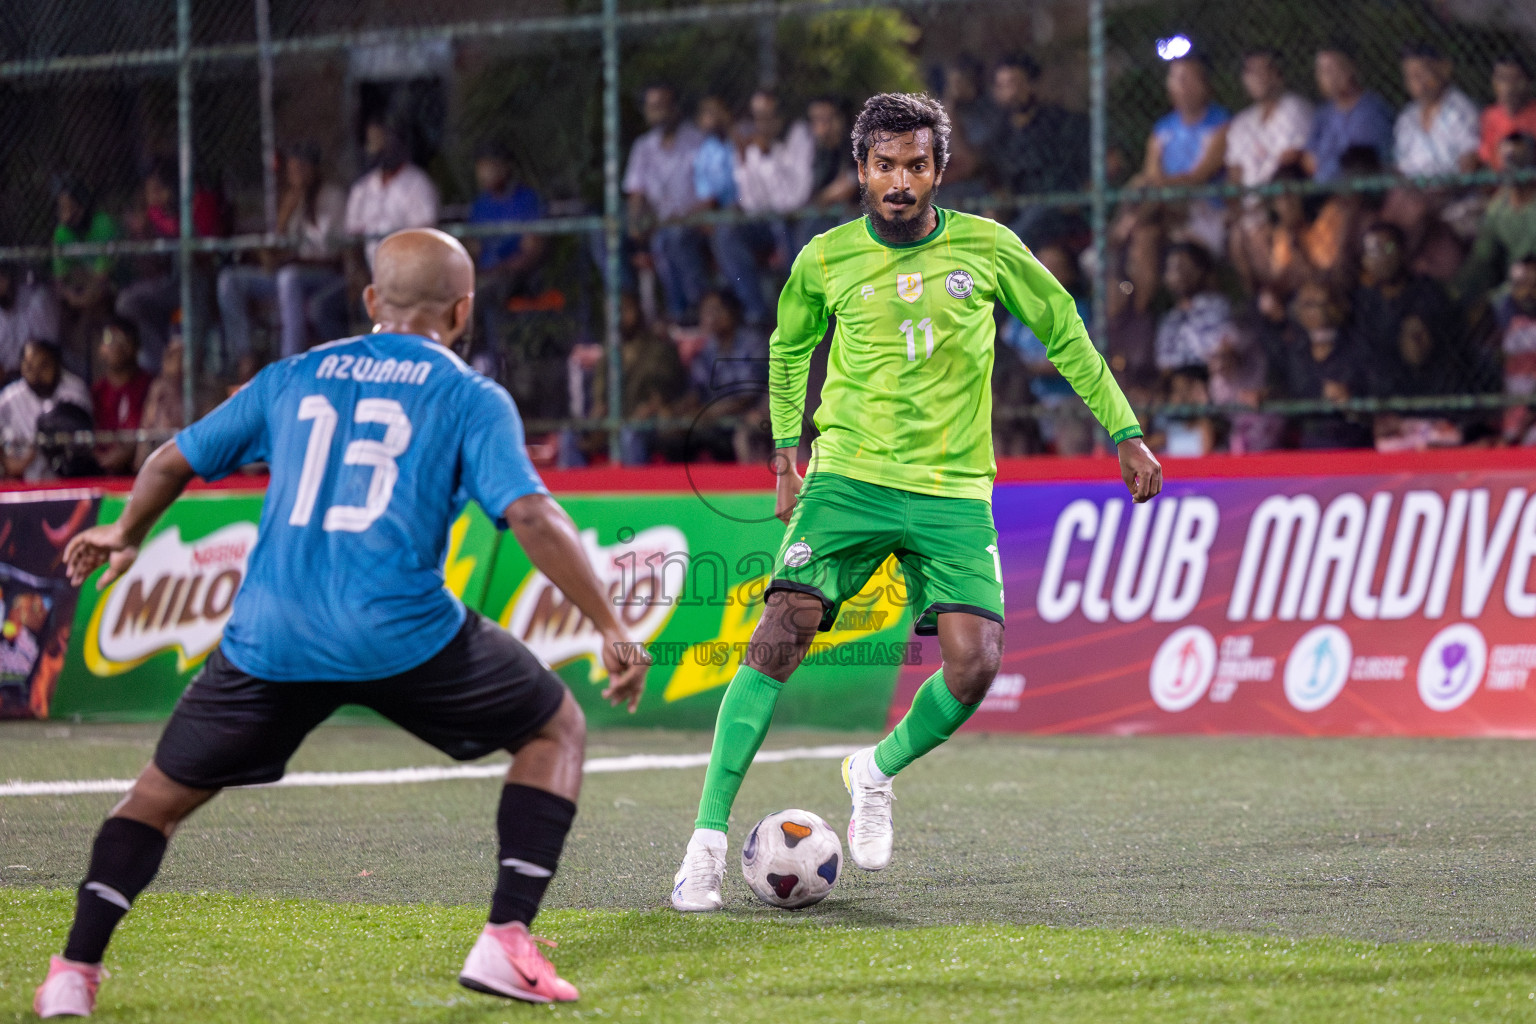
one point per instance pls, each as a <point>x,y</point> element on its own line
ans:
<point>739,730</point>
<point>933,718</point>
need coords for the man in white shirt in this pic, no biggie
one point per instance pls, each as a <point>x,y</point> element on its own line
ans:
<point>28,312</point>
<point>395,194</point>
<point>1273,130</point>
<point>1437,133</point>
<point>774,172</point>
<point>44,384</point>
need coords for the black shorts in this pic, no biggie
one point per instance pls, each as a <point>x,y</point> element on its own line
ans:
<point>483,692</point>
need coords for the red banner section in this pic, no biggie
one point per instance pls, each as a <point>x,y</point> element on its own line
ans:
<point>1337,596</point>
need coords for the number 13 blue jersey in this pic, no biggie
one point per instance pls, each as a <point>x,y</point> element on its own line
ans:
<point>376,444</point>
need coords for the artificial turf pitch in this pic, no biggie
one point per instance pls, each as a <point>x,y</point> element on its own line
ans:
<point>1035,879</point>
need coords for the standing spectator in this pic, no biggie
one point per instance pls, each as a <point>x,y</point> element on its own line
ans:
<point>834,176</point>
<point>1517,338</point>
<point>1513,108</point>
<point>659,181</point>
<point>119,394</point>
<point>1508,232</point>
<point>774,166</point>
<point>1390,292</point>
<point>1273,130</point>
<point>153,298</point>
<point>1437,133</point>
<point>305,279</point>
<point>393,195</point>
<point>44,386</point>
<point>84,282</point>
<point>1350,116</point>
<point>727,377</point>
<point>28,312</point>
<point>1200,323</point>
<point>507,265</point>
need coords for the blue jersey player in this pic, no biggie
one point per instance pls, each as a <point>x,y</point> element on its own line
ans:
<point>375,444</point>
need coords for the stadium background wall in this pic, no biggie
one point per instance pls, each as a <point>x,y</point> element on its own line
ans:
<point>1344,594</point>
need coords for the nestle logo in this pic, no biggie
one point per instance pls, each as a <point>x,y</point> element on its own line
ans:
<point>219,554</point>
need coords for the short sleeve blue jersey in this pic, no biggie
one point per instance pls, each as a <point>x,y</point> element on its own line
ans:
<point>375,444</point>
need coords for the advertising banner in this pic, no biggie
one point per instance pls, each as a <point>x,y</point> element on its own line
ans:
<point>37,599</point>
<point>1400,603</point>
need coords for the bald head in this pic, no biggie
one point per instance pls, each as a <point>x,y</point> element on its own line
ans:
<point>421,278</point>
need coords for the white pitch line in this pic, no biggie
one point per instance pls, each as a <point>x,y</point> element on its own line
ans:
<point>402,776</point>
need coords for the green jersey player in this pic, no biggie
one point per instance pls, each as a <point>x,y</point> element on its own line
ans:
<point>903,465</point>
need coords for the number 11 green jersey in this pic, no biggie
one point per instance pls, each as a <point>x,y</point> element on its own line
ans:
<point>908,397</point>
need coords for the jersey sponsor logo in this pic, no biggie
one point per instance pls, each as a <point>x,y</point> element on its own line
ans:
<point>1452,666</point>
<point>868,291</point>
<point>1183,668</point>
<point>641,574</point>
<point>176,596</point>
<point>959,284</point>
<point>367,370</point>
<point>798,554</point>
<point>909,286</point>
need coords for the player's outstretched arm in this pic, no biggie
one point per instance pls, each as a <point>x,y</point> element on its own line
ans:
<point>165,475</point>
<point>549,537</point>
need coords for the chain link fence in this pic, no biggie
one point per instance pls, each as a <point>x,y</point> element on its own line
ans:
<point>155,154</point>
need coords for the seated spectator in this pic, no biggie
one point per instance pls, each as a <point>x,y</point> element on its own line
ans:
<point>155,294</point>
<point>393,195</point>
<point>834,176</point>
<point>1275,256</point>
<point>714,165</point>
<point>507,265</point>
<point>728,377</point>
<point>774,166</point>
<point>304,279</point>
<point>652,379</point>
<point>1389,292</point>
<point>84,282</point>
<point>1513,109</point>
<point>659,181</point>
<point>119,394</point>
<point>164,403</point>
<point>1517,339</point>
<point>28,312</point>
<point>1508,233</point>
<point>1338,231</point>
<point>1325,361</point>
<point>1187,147</point>
<point>1200,323</point>
<point>1182,436</point>
<point>1423,365</point>
<point>1239,375</point>
<point>1349,116</point>
<point>44,385</point>
<point>1437,132</point>
<point>1271,132</point>
<point>974,117</point>
<point>1034,146</point>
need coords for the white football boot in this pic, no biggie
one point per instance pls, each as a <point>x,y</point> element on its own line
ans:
<point>696,887</point>
<point>869,825</point>
<point>70,989</point>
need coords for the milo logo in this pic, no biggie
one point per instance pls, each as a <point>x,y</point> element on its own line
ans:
<point>175,596</point>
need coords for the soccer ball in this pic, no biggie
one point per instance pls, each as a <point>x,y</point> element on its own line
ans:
<point>791,859</point>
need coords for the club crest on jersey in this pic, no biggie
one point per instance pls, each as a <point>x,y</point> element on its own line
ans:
<point>958,284</point>
<point>909,286</point>
<point>798,554</point>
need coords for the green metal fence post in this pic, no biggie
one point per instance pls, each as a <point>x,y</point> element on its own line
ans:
<point>189,323</point>
<point>611,211</point>
<point>1098,128</point>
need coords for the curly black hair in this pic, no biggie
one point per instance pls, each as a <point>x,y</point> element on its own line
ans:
<point>896,113</point>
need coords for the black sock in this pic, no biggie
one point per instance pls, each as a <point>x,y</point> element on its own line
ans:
<point>531,825</point>
<point>124,860</point>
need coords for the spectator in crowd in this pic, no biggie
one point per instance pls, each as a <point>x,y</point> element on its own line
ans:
<point>305,278</point>
<point>1516,313</point>
<point>1239,376</point>
<point>728,377</point>
<point>1513,108</point>
<point>1271,132</point>
<point>1275,256</point>
<point>1325,361</point>
<point>164,403</point>
<point>974,117</point>
<point>1508,231</point>
<point>1437,132</point>
<point>659,181</point>
<point>774,167</point>
<point>508,264</point>
<point>1034,146</point>
<point>1186,436</point>
<point>714,165</point>
<point>1187,146</point>
<point>28,312</point>
<point>1200,323</point>
<point>1423,365</point>
<point>652,380</point>
<point>1349,116</point>
<point>44,386</point>
<point>84,282</point>
<point>393,194</point>
<point>119,394</point>
<point>155,295</point>
<point>834,177</point>
<point>1390,292</point>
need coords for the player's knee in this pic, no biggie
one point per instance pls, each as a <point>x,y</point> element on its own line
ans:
<point>568,727</point>
<point>970,671</point>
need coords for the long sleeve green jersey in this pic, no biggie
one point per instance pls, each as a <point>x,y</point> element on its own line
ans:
<point>908,397</point>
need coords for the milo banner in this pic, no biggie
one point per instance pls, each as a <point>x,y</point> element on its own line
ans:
<point>37,599</point>
<point>1353,604</point>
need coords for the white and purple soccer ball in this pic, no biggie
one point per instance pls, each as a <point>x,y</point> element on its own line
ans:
<point>791,859</point>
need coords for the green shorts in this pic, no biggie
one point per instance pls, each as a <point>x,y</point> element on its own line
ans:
<point>843,530</point>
